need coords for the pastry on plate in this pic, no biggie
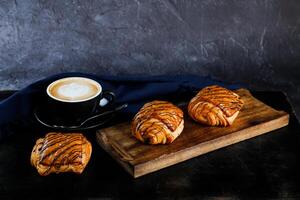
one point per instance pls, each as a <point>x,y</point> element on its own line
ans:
<point>158,122</point>
<point>215,106</point>
<point>61,152</point>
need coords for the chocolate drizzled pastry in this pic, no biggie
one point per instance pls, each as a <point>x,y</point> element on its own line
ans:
<point>61,152</point>
<point>158,122</point>
<point>215,106</point>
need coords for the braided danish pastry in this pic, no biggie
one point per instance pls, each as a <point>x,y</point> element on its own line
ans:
<point>158,122</point>
<point>61,152</point>
<point>215,106</point>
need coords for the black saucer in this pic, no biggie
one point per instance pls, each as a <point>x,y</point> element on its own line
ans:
<point>44,118</point>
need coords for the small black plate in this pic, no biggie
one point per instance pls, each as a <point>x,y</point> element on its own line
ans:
<point>48,121</point>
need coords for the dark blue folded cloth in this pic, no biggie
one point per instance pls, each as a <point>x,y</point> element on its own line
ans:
<point>134,90</point>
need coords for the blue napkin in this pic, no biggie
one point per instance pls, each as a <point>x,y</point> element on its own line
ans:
<point>134,90</point>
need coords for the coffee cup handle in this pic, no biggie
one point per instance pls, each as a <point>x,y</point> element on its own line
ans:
<point>107,98</point>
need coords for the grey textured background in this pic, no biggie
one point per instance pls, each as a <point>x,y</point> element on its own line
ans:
<point>256,42</point>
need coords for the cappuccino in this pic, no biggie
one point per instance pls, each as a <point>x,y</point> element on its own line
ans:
<point>74,89</point>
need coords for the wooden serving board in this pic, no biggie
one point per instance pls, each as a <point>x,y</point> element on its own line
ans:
<point>255,118</point>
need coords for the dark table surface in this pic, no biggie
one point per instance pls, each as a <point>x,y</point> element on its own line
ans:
<point>266,166</point>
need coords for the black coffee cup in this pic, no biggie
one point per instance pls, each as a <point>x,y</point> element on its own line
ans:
<point>74,99</point>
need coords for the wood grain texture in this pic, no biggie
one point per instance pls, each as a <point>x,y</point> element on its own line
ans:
<point>255,118</point>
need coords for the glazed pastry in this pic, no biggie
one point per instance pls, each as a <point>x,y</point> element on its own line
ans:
<point>158,122</point>
<point>61,152</point>
<point>215,106</point>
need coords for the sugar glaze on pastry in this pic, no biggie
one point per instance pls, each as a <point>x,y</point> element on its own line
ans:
<point>158,122</point>
<point>215,106</point>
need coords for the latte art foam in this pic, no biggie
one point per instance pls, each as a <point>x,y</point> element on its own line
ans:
<point>74,89</point>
